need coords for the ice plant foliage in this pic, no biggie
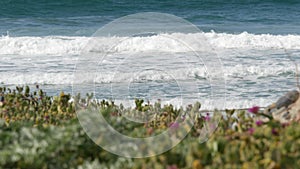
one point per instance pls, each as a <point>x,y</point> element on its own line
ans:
<point>29,121</point>
<point>172,167</point>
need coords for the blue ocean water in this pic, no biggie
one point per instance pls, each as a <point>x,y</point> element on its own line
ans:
<point>255,41</point>
<point>83,18</point>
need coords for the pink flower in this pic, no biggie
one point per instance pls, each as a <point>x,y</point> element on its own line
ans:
<point>182,117</point>
<point>259,122</point>
<point>46,117</point>
<point>174,125</point>
<point>251,130</point>
<point>207,117</point>
<point>274,132</point>
<point>254,109</point>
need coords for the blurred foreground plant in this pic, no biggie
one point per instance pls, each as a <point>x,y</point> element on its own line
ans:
<point>243,139</point>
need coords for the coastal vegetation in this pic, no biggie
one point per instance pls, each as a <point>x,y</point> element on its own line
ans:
<point>41,131</point>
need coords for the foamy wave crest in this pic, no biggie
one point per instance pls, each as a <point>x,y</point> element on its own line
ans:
<point>50,45</point>
<point>237,71</point>
<point>59,45</point>
<point>253,41</point>
<point>36,78</point>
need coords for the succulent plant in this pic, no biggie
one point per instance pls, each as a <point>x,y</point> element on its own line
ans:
<point>31,132</point>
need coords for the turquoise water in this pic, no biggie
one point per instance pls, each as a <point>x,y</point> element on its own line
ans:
<point>41,43</point>
<point>83,18</point>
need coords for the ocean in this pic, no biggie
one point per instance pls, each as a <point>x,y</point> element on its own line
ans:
<point>257,45</point>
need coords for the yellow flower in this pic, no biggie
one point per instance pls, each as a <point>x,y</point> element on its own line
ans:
<point>197,164</point>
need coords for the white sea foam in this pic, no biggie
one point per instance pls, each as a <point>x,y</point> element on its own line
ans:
<point>255,66</point>
<point>200,73</point>
<point>50,45</point>
<point>60,45</point>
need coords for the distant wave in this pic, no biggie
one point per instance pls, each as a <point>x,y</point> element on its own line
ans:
<point>62,45</point>
<point>238,71</point>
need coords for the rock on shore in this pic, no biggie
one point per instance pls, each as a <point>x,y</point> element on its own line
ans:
<point>287,107</point>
